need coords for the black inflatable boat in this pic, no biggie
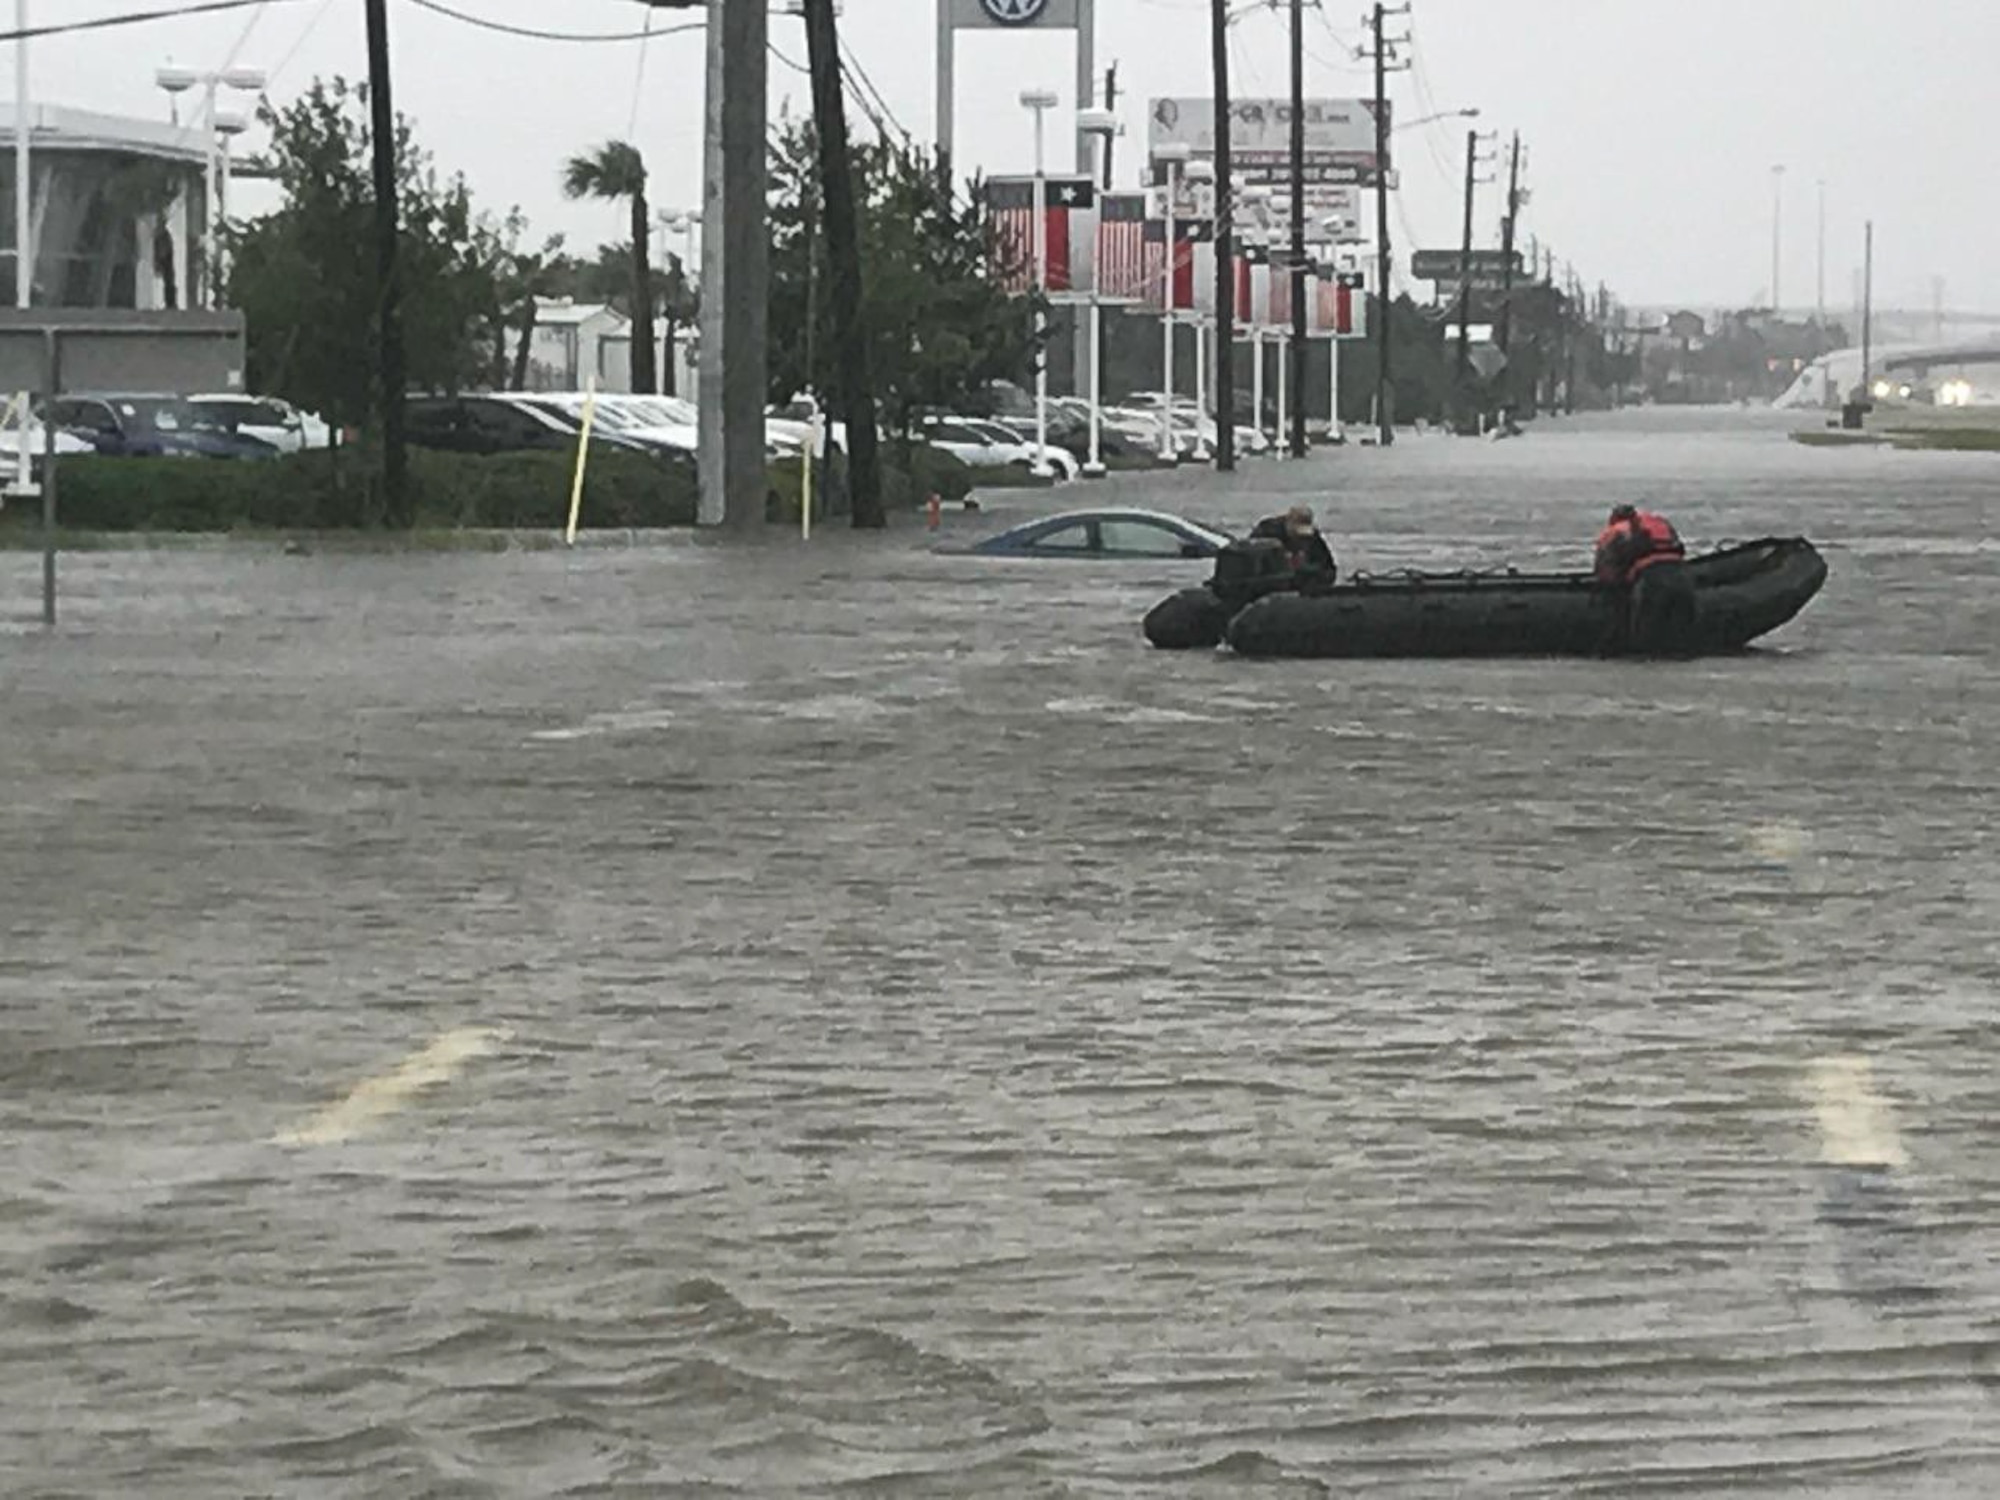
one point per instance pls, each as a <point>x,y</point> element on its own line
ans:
<point>1258,607</point>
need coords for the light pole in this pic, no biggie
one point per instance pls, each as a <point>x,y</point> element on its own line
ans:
<point>1254,232</point>
<point>177,81</point>
<point>1819,273</point>
<point>1039,102</point>
<point>1099,125</point>
<point>1777,221</point>
<point>1173,153</point>
<point>1202,173</point>
<point>24,210</point>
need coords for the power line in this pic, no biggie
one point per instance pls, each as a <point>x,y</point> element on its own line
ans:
<point>131,18</point>
<point>547,36</point>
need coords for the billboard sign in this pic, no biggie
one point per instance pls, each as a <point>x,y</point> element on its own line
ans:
<point>1488,267</point>
<point>1339,136</point>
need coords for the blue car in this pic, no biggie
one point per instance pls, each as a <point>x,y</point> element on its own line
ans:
<point>1106,534</point>
<point>152,427</point>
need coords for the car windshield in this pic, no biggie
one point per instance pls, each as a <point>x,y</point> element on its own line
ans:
<point>164,414</point>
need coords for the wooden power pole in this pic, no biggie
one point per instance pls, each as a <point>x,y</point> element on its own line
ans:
<point>1295,262</point>
<point>389,376</point>
<point>854,396</point>
<point>1503,326</point>
<point>1225,255</point>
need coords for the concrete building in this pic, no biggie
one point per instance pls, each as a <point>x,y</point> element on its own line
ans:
<point>120,210</point>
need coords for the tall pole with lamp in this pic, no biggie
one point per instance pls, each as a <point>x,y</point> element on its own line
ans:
<point>1201,172</point>
<point>24,213</point>
<point>1099,125</point>
<point>177,81</point>
<point>1173,153</point>
<point>1038,102</point>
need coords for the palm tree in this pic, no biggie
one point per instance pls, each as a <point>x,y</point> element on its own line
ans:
<point>617,170</point>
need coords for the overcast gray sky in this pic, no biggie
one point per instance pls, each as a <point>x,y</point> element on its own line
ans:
<point>1651,125</point>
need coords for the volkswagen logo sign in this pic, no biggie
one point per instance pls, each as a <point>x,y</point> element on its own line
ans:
<point>1014,12</point>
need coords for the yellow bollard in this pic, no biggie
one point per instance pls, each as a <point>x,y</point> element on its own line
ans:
<point>582,458</point>
<point>806,484</point>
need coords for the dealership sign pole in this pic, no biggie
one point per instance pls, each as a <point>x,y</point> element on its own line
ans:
<point>954,16</point>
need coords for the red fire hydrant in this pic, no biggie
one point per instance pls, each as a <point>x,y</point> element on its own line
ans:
<point>933,512</point>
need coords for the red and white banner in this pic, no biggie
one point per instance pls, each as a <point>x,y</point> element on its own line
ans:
<point>1010,205</point>
<point>1121,247</point>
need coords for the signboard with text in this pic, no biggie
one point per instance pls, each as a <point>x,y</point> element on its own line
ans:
<point>1339,136</point>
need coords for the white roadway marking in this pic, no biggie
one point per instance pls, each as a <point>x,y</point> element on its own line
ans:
<point>369,1101</point>
<point>1855,1125</point>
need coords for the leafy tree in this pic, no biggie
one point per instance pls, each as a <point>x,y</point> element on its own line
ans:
<point>940,328</point>
<point>616,170</point>
<point>304,275</point>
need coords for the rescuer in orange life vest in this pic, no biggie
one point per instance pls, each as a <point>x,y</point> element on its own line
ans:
<point>1641,553</point>
<point>1305,549</point>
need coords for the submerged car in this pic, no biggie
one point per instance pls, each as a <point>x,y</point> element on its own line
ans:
<point>1107,534</point>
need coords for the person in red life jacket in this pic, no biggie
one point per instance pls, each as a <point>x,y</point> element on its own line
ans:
<point>1641,553</point>
<point>1305,549</point>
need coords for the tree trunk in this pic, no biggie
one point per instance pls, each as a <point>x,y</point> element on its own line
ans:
<point>669,386</point>
<point>520,380</point>
<point>645,378</point>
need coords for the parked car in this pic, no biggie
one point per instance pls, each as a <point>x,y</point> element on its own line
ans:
<point>151,426</point>
<point>1106,534</point>
<point>500,424</point>
<point>268,419</point>
<point>981,444</point>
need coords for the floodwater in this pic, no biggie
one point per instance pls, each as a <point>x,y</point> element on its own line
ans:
<point>840,1019</point>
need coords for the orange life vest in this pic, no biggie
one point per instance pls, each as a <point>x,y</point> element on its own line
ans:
<point>1645,538</point>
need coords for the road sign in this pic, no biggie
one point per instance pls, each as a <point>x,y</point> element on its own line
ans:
<point>1487,266</point>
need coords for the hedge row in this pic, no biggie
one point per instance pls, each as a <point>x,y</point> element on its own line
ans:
<point>325,491</point>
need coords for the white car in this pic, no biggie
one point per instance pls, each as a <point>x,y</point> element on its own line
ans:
<point>627,416</point>
<point>984,445</point>
<point>1143,429</point>
<point>1187,412</point>
<point>276,422</point>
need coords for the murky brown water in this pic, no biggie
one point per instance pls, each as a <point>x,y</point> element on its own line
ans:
<point>851,1017</point>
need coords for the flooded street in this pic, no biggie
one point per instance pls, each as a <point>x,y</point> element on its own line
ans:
<point>778,1019</point>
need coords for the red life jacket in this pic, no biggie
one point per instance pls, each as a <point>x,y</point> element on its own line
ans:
<point>1645,538</point>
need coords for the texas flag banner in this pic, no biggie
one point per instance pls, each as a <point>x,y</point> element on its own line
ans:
<point>1339,305</point>
<point>1121,247</point>
<point>1010,203</point>
<point>1187,234</point>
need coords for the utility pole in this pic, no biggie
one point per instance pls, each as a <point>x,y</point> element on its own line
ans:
<point>389,376</point>
<point>1110,103</point>
<point>1295,260</point>
<point>1503,327</point>
<point>735,270</point>
<point>1462,376</point>
<point>854,396</point>
<point>1385,387</point>
<point>1225,253</point>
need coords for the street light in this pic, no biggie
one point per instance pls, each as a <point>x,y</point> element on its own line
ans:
<point>1039,102</point>
<point>1100,125</point>
<point>1175,155</point>
<point>177,81</point>
<point>1443,114</point>
<point>1201,171</point>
